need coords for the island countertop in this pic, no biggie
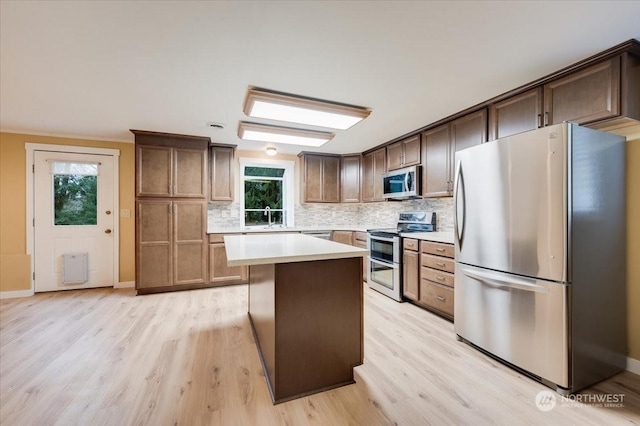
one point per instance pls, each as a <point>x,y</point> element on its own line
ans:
<point>284,248</point>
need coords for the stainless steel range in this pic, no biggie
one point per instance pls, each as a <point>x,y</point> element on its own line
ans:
<point>385,245</point>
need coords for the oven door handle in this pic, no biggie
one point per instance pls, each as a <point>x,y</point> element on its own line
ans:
<point>389,240</point>
<point>389,265</point>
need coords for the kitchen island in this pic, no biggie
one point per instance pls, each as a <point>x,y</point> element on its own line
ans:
<point>305,308</point>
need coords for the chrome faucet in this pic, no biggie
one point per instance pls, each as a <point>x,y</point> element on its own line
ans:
<point>267,212</point>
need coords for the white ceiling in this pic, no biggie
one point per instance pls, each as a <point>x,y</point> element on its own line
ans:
<point>93,69</point>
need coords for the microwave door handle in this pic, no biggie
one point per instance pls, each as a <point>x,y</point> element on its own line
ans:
<point>406,182</point>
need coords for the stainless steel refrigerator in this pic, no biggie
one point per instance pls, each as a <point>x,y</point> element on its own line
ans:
<point>540,253</point>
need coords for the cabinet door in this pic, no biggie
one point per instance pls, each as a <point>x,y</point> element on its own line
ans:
<point>516,114</point>
<point>222,166</point>
<point>435,176</point>
<point>312,176</point>
<point>153,171</point>
<point>584,96</point>
<point>189,244</point>
<point>411,274</point>
<point>367,177</point>
<point>411,151</point>
<point>219,272</point>
<point>154,232</point>
<point>350,184</point>
<point>394,156</point>
<point>190,173</point>
<point>331,179</point>
<point>467,131</point>
<point>379,169</point>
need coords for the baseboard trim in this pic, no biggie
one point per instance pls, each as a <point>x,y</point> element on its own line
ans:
<point>15,294</point>
<point>633,365</point>
<point>125,284</point>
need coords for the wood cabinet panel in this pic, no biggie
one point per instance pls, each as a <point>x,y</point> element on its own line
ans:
<point>154,236</point>
<point>374,166</point>
<point>321,178</point>
<point>440,277</point>
<point>351,178</point>
<point>344,237</point>
<point>467,131</point>
<point>219,272</point>
<point>410,272</point>
<point>584,96</point>
<point>438,297</point>
<point>190,257</point>
<point>221,169</point>
<point>516,114</point>
<point>190,173</point>
<point>439,249</point>
<point>436,175</point>
<point>394,156</point>
<point>404,153</point>
<point>153,171</point>
<point>438,262</point>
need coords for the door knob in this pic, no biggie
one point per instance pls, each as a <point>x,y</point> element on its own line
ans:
<point>108,231</point>
<point>108,212</point>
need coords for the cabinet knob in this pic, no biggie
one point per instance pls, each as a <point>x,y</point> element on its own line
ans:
<point>107,231</point>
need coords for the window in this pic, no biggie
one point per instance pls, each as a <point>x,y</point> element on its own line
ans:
<point>75,193</point>
<point>266,192</point>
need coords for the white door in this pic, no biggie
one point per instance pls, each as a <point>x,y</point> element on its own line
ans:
<point>74,217</point>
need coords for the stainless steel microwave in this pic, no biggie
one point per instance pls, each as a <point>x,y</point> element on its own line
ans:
<point>402,183</point>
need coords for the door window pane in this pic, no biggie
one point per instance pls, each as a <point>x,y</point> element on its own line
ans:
<point>75,199</point>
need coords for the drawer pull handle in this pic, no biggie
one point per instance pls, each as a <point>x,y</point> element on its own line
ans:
<point>440,298</point>
<point>440,278</point>
<point>440,264</point>
<point>440,250</point>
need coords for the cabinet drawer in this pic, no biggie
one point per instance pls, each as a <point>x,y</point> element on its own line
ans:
<point>438,262</point>
<point>437,276</point>
<point>410,244</point>
<point>362,236</point>
<point>439,249</point>
<point>437,296</point>
<point>216,238</point>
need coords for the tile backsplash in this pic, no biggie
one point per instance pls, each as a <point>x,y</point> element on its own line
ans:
<point>384,214</point>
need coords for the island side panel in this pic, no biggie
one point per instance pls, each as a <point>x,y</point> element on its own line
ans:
<point>262,316</point>
<point>319,327</point>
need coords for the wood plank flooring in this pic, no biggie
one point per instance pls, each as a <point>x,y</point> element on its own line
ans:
<point>107,357</point>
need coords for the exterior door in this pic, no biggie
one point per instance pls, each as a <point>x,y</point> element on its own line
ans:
<point>74,216</point>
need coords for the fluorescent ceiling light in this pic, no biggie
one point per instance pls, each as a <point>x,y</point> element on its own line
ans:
<point>275,134</point>
<point>295,109</point>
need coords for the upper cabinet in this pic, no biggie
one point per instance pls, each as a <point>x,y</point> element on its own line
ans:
<point>351,177</point>
<point>221,171</point>
<point>603,95</point>
<point>441,144</point>
<point>404,153</point>
<point>170,165</point>
<point>321,178</point>
<point>373,167</point>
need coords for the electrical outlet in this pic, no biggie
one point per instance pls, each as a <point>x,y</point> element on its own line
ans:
<point>125,213</point>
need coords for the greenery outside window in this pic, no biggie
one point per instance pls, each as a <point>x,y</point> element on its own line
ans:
<point>266,193</point>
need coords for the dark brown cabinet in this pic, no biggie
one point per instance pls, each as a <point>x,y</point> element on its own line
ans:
<point>221,172</point>
<point>170,243</point>
<point>440,146</point>
<point>321,178</point>
<point>373,167</point>
<point>516,114</point>
<point>404,153</point>
<point>351,173</point>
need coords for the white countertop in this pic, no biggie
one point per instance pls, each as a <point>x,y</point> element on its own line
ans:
<point>438,237</point>
<point>249,230</point>
<point>284,248</point>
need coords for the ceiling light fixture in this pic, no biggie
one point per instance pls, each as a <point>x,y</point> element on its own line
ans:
<point>261,103</point>
<point>271,151</point>
<point>276,134</point>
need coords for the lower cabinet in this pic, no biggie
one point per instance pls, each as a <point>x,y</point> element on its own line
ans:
<point>170,244</point>
<point>428,278</point>
<point>219,272</point>
<point>344,237</point>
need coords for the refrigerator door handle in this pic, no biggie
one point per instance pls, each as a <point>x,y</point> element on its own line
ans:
<point>496,280</point>
<point>460,213</point>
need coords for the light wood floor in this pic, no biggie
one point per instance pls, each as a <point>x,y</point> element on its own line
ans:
<point>106,357</point>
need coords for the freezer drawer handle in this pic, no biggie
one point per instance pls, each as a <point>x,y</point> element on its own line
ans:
<point>497,281</point>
